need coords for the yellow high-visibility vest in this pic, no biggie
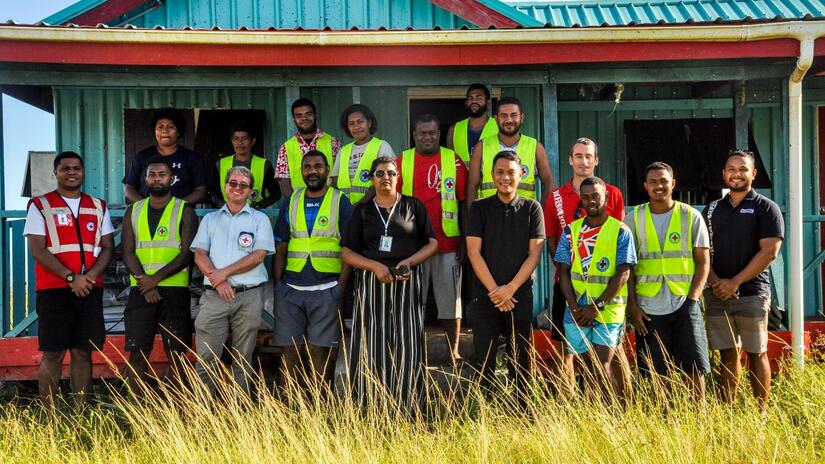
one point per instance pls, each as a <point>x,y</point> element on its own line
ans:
<point>461,144</point>
<point>526,151</point>
<point>602,268</point>
<point>156,252</point>
<point>257,168</point>
<point>356,187</point>
<point>295,155</point>
<point>672,263</point>
<point>449,200</point>
<point>323,245</point>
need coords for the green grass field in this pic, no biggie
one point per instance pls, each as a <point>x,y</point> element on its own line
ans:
<point>173,427</point>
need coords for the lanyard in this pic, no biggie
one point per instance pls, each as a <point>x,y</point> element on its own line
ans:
<point>380,215</point>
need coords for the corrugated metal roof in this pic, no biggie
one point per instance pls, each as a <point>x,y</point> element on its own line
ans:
<point>596,13</point>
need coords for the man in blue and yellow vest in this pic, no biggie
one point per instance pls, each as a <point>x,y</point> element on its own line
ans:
<point>307,137</point>
<point>310,275</point>
<point>595,254</point>
<point>266,190</point>
<point>157,232</point>
<point>509,116</point>
<point>667,282</point>
<point>437,176</point>
<point>463,135</point>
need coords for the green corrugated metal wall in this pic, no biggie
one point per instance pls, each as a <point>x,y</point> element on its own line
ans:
<point>290,14</point>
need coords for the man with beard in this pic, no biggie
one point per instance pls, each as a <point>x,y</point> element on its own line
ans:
<point>505,237</point>
<point>437,176</point>
<point>595,254</point>
<point>563,207</point>
<point>464,134</point>
<point>746,231</point>
<point>157,232</point>
<point>230,248</point>
<point>308,137</point>
<point>70,236</point>
<point>310,274</point>
<point>266,190</point>
<point>531,152</point>
<point>667,282</point>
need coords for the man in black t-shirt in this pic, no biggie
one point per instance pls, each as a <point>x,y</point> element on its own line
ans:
<point>157,232</point>
<point>188,179</point>
<point>746,231</point>
<point>504,241</point>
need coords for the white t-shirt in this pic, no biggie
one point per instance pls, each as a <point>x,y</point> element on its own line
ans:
<point>355,157</point>
<point>36,225</point>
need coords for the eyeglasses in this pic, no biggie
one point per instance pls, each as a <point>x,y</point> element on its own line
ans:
<point>235,184</point>
<point>381,174</point>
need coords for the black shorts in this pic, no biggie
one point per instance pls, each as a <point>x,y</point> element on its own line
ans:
<point>675,340</point>
<point>68,322</point>
<point>171,316</point>
<point>557,313</point>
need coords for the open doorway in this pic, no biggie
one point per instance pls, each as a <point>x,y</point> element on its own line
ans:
<point>695,148</point>
<point>446,103</point>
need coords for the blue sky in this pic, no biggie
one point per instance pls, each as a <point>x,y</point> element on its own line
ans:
<point>25,127</point>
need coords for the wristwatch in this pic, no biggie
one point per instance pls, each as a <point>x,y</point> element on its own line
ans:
<point>70,278</point>
<point>599,304</point>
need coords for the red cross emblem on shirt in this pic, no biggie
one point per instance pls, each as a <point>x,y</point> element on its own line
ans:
<point>245,240</point>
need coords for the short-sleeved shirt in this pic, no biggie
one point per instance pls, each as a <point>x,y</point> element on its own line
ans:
<point>228,238</point>
<point>187,169</point>
<point>282,164</point>
<point>384,150</point>
<point>625,248</point>
<point>665,302</point>
<point>505,230</point>
<point>36,225</point>
<point>309,277</point>
<point>270,184</point>
<point>427,188</point>
<point>409,227</point>
<point>735,232</point>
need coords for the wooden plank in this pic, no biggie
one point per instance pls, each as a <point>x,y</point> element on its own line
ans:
<point>31,290</point>
<point>292,93</point>
<point>681,72</point>
<point>644,105</point>
<point>550,112</point>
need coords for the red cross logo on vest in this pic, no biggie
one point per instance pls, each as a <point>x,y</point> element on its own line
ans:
<point>323,220</point>
<point>449,184</point>
<point>524,170</point>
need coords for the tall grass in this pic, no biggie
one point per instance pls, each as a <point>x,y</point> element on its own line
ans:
<point>172,425</point>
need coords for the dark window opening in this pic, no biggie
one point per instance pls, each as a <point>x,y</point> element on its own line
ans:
<point>207,133</point>
<point>696,149</point>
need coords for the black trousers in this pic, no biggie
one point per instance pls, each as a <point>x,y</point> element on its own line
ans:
<point>516,327</point>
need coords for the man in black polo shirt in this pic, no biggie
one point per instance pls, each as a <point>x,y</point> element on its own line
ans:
<point>504,242</point>
<point>746,230</point>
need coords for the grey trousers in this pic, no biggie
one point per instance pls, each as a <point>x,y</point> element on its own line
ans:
<point>216,320</point>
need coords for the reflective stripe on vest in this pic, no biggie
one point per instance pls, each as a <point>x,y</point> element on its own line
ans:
<point>461,143</point>
<point>158,251</point>
<point>356,187</point>
<point>449,201</point>
<point>526,151</point>
<point>257,167</point>
<point>62,239</point>
<point>324,244</point>
<point>671,263</point>
<point>602,268</point>
<point>295,154</point>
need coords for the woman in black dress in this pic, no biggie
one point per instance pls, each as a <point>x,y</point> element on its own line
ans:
<point>385,241</point>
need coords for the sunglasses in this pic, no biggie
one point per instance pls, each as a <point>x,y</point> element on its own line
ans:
<point>381,174</point>
<point>235,184</point>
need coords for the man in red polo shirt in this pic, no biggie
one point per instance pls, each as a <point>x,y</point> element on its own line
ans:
<point>442,190</point>
<point>562,208</point>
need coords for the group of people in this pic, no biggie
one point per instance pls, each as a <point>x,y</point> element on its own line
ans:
<point>359,225</point>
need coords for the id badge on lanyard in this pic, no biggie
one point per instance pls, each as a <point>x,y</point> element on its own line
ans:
<point>385,242</point>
